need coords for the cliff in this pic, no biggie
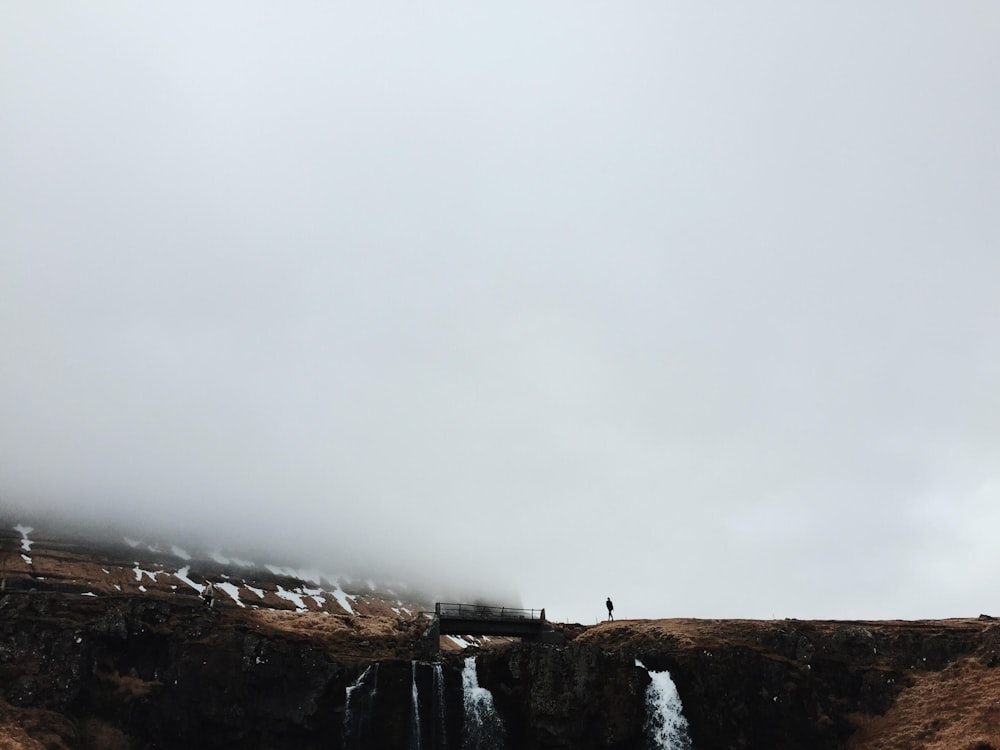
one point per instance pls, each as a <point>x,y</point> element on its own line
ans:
<point>107,646</point>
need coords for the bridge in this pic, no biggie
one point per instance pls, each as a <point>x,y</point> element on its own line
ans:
<point>484,619</point>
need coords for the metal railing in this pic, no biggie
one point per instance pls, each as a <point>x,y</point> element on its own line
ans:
<point>487,612</point>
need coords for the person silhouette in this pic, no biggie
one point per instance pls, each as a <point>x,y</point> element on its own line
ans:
<point>611,609</point>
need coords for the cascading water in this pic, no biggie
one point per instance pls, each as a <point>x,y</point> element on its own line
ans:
<point>358,710</point>
<point>427,707</point>
<point>438,705</point>
<point>666,728</point>
<point>415,699</point>
<point>483,728</point>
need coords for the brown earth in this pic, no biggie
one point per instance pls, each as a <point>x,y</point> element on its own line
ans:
<point>860,685</point>
<point>957,708</point>
<point>953,703</point>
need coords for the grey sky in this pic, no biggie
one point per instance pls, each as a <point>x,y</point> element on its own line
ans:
<point>692,306</point>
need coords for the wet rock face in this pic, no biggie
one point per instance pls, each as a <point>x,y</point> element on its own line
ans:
<point>742,698</point>
<point>174,674</point>
<point>167,675</point>
<point>566,697</point>
<point>163,670</point>
<point>40,660</point>
<point>798,684</point>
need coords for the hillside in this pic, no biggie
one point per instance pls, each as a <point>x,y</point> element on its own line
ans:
<point>109,645</point>
<point>348,612</point>
<point>927,685</point>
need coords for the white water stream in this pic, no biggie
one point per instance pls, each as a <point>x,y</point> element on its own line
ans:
<point>357,709</point>
<point>439,703</point>
<point>666,728</point>
<point>483,727</point>
<point>415,699</point>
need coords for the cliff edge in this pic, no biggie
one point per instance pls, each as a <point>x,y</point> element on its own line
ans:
<point>111,646</point>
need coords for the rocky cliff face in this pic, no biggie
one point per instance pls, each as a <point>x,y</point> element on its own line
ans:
<point>94,655</point>
<point>795,684</point>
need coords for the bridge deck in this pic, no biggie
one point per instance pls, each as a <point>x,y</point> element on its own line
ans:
<point>478,619</point>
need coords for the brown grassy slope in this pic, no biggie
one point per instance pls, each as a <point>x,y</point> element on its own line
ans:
<point>956,708</point>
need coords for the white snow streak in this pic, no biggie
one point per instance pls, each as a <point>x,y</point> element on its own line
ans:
<point>139,573</point>
<point>343,599</point>
<point>293,597</point>
<point>24,531</point>
<point>315,594</point>
<point>182,575</point>
<point>232,591</point>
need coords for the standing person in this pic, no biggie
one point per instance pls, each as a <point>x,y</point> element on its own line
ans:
<point>611,609</point>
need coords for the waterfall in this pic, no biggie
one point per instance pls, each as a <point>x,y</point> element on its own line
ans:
<point>358,709</point>
<point>438,705</point>
<point>483,728</point>
<point>427,714</point>
<point>415,699</point>
<point>666,728</point>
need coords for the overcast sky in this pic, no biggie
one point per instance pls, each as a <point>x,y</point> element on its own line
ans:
<point>693,305</point>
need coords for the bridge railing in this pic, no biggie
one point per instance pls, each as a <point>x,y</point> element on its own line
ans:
<point>487,612</point>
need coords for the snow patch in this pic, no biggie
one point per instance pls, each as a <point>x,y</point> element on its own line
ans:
<point>178,552</point>
<point>88,593</point>
<point>293,597</point>
<point>182,575</point>
<point>26,559</point>
<point>133,543</point>
<point>258,592</point>
<point>139,573</point>
<point>457,641</point>
<point>315,595</point>
<point>219,558</point>
<point>232,591</point>
<point>24,531</point>
<point>344,600</point>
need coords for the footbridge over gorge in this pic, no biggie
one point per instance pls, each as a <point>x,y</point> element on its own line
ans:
<point>484,619</point>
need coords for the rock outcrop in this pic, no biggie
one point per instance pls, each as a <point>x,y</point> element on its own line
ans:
<point>95,655</point>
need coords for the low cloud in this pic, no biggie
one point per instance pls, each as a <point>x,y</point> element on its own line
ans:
<point>698,315</point>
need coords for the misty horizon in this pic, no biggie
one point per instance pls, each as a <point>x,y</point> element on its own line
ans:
<point>692,307</point>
